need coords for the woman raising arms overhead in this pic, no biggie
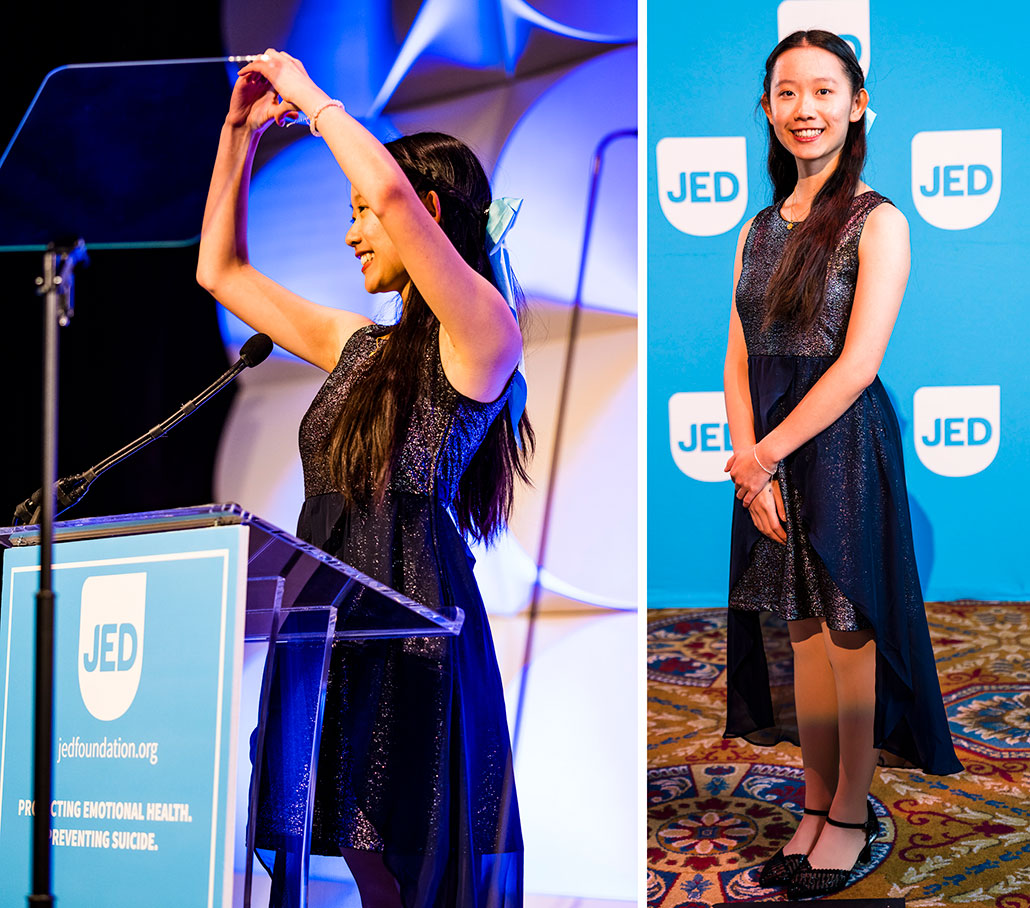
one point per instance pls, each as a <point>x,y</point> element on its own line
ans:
<point>479,344</point>
<point>821,530</point>
<point>416,422</point>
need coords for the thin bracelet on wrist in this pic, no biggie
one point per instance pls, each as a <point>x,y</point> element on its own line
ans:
<point>754,451</point>
<point>313,122</point>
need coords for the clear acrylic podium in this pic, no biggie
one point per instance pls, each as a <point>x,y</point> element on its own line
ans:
<point>296,594</point>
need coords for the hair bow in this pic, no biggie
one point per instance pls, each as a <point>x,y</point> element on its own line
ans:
<point>500,219</point>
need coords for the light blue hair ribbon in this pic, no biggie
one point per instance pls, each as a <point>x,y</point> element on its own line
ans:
<point>500,219</point>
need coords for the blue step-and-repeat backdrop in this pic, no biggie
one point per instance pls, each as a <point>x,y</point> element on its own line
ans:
<point>948,144</point>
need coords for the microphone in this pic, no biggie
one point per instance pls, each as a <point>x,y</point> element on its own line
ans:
<point>70,489</point>
<point>255,351</point>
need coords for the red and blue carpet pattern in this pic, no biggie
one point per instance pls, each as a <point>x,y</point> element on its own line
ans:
<point>717,809</point>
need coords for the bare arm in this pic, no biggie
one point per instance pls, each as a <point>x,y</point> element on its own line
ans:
<point>883,266</point>
<point>767,509</point>
<point>314,333</point>
<point>480,342</point>
<point>735,381</point>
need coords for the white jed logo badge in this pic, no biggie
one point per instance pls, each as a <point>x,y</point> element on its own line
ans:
<point>958,428</point>
<point>702,183</point>
<point>847,18</point>
<point>110,653</point>
<point>956,176</point>
<point>699,434</point>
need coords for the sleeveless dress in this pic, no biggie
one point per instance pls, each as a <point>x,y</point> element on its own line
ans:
<point>849,555</point>
<point>415,761</point>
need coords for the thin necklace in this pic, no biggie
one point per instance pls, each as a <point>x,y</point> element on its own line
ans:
<point>791,223</point>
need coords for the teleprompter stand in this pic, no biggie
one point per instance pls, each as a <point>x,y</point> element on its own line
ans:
<point>83,163</point>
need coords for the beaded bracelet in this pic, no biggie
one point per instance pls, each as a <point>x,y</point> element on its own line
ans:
<point>313,123</point>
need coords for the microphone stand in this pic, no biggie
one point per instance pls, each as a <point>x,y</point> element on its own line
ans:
<point>70,489</point>
<point>57,286</point>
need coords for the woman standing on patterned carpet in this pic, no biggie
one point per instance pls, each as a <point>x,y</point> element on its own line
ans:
<point>821,531</point>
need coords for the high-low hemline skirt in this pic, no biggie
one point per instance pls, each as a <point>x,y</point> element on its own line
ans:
<point>849,558</point>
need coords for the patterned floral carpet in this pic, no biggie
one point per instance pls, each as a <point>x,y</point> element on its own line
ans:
<point>718,808</point>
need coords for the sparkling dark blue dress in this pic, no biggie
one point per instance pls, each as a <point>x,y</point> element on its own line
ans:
<point>849,555</point>
<point>415,761</point>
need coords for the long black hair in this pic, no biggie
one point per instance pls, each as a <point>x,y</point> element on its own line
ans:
<point>797,288</point>
<point>366,438</point>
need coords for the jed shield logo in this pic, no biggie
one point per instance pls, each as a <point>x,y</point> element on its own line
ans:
<point>956,176</point>
<point>847,18</point>
<point>957,428</point>
<point>702,183</point>
<point>110,653</point>
<point>699,434</point>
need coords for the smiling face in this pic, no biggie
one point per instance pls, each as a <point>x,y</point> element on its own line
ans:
<point>380,263</point>
<point>810,105</point>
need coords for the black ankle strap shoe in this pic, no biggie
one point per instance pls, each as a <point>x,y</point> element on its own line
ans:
<point>809,881</point>
<point>780,868</point>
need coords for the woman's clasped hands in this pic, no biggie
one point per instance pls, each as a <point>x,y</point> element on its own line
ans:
<point>767,513</point>
<point>758,493</point>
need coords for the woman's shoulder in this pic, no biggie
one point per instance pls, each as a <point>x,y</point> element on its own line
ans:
<point>765,215</point>
<point>876,210</point>
<point>882,229</point>
<point>366,332</point>
<point>873,213</point>
<point>867,200</point>
<point>358,344</point>
<point>757,221</point>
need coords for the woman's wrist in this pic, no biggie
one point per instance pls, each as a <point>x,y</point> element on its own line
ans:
<point>311,100</point>
<point>765,457</point>
<point>243,133</point>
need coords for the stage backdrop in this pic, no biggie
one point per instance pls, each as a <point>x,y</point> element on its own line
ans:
<point>950,125</point>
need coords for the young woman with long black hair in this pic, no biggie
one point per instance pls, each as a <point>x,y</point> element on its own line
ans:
<point>416,422</point>
<point>821,530</point>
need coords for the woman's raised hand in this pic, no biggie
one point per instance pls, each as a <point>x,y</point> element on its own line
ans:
<point>286,77</point>
<point>253,103</point>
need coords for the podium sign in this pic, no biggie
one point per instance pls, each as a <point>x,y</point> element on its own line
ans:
<point>148,658</point>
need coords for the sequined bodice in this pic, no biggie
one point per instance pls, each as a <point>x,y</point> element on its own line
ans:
<point>763,250</point>
<point>444,432</point>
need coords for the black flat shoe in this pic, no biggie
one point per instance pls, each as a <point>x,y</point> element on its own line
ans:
<point>809,881</point>
<point>780,868</point>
